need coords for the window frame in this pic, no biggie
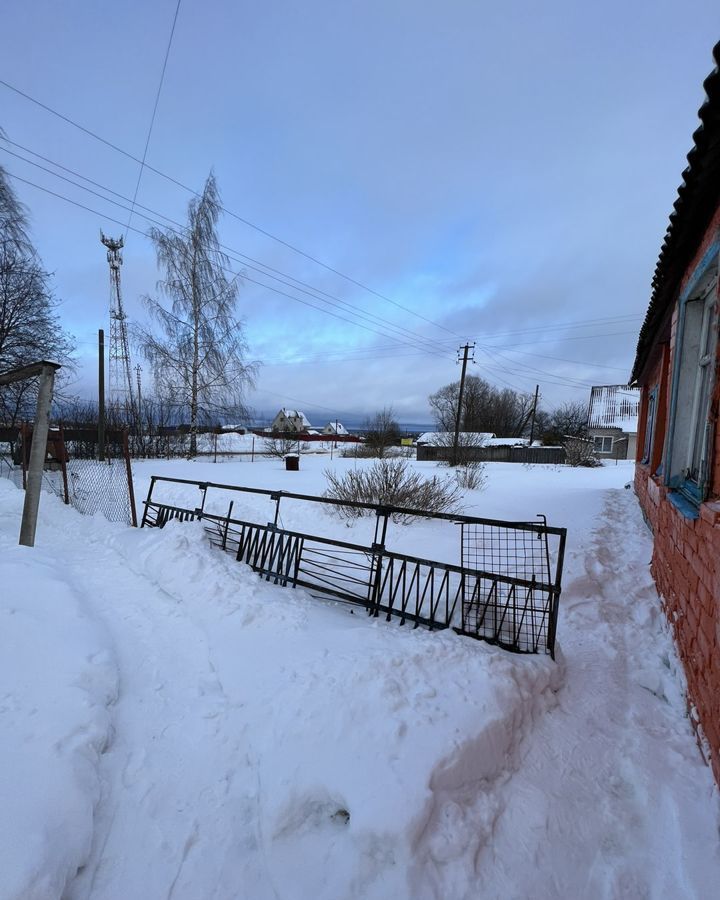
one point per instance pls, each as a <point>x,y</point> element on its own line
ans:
<point>603,438</point>
<point>696,322</point>
<point>650,419</point>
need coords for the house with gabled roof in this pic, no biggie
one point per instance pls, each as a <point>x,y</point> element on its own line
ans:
<point>613,419</point>
<point>335,428</point>
<point>677,472</point>
<point>291,420</point>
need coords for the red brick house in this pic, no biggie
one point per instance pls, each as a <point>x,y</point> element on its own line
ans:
<point>677,474</point>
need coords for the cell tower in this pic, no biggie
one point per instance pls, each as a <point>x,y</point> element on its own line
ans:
<point>120,385</point>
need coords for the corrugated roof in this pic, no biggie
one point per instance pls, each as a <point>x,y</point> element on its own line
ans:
<point>697,200</point>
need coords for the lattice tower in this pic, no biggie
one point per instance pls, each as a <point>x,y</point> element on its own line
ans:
<point>120,384</point>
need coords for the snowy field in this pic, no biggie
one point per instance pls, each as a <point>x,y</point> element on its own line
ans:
<point>173,727</point>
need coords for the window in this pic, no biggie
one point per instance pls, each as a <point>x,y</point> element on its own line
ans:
<point>696,470</point>
<point>603,443</point>
<point>650,425</point>
<point>697,341</point>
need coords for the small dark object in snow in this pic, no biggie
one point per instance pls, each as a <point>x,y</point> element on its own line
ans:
<point>341,817</point>
<point>628,485</point>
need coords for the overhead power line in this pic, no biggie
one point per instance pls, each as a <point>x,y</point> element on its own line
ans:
<point>246,277</point>
<point>235,255</point>
<point>229,212</point>
<point>248,260</point>
<point>152,118</point>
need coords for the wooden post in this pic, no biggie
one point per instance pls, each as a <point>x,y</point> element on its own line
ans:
<point>456,438</point>
<point>534,413</point>
<point>128,471</point>
<point>38,452</point>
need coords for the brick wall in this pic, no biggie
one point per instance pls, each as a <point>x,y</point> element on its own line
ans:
<point>686,569</point>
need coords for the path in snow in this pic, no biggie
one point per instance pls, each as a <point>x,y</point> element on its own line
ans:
<point>168,773</point>
<point>605,803</point>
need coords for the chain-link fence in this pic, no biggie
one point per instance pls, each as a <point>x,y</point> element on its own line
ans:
<point>75,474</point>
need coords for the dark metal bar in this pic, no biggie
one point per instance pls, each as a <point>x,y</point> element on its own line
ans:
<point>354,504</point>
<point>63,465</point>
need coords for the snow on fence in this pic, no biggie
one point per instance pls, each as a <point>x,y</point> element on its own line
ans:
<point>505,588</point>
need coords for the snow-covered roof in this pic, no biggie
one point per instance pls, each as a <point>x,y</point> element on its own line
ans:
<point>296,415</point>
<point>614,406</point>
<point>507,442</point>
<point>335,428</point>
<point>445,438</point>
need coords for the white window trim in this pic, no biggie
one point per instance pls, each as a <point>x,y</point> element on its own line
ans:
<point>704,370</point>
<point>602,438</point>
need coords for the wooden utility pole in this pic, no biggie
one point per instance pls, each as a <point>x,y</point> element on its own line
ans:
<point>465,350</point>
<point>534,412</point>
<point>101,394</point>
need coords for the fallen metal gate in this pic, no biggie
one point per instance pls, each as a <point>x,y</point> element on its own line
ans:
<point>506,590</point>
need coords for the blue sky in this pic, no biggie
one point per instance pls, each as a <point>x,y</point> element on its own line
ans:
<point>500,170</point>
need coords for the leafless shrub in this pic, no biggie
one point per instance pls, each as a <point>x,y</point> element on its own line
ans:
<point>280,447</point>
<point>580,452</point>
<point>390,482</point>
<point>471,476</point>
<point>358,451</point>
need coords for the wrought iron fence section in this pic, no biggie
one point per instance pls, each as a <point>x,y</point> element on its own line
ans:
<point>505,591</point>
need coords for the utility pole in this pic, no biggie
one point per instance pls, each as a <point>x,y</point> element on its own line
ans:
<point>534,412</point>
<point>466,350</point>
<point>101,394</point>
<point>138,370</point>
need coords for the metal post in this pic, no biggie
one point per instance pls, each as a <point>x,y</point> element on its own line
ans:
<point>24,439</point>
<point>252,454</point>
<point>101,394</point>
<point>63,465</point>
<point>38,452</point>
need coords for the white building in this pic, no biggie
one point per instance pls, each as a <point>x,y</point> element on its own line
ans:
<point>288,420</point>
<point>335,428</point>
<point>612,420</point>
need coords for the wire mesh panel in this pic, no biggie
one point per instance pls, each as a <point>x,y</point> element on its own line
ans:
<point>513,599</point>
<point>95,486</point>
<point>9,470</point>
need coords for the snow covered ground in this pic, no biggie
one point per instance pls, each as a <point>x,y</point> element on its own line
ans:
<point>171,726</point>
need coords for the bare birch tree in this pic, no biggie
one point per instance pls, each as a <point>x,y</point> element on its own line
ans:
<point>198,357</point>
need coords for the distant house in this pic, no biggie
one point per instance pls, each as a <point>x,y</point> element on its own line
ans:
<point>613,420</point>
<point>677,471</point>
<point>290,420</point>
<point>445,438</point>
<point>436,446</point>
<point>335,428</point>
